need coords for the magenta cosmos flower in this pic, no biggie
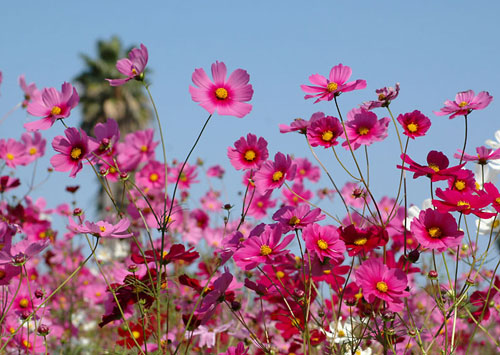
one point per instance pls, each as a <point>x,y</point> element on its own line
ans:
<point>465,102</point>
<point>30,90</point>
<point>248,153</point>
<point>326,89</point>
<point>229,97</point>
<point>132,67</point>
<point>483,155</point>
<point>72,150</point>
<point>378,281</point>
<point>325,242</point>
<point>324,130</point>
<point>13,152</point>
<point>415,124</point>
<point>102,229</point>
<point>363,128</point>
<point>262,248</point>
<point>272,175</point>
<point>51,105</point>
<point>384,98</point>
<point>436,231</point>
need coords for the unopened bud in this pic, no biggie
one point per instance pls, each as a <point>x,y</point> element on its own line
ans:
<point>123,176</point>
<point>103,171</point>
<point>432,274</point>
<point>39,293</point>
<point>77,212</point>
<point>132,268</point>
<point>469,281</point>
<point>25,314</point>
<point>43,330</point>
<point>413,256</point>
<point>235,306</point>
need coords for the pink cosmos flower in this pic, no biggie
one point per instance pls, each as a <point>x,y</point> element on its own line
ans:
<point>325,242</point>
<point>216,171</point>
<point>22,251</point>
<point>465,102</point>
<point>306,170</point>
<point>30,91</point>
<point>215,296</point>
<point>363,128</point>
<point>297,217</point>
<point>355,195</point>
<point>385,96</point>
<point>435,230</point>
<point>138,147</point>
<point>102,229</point>
<point>462,181</point>
<point>107,134</point>
<point>186,178</point>
<point>326,89</point>
<point>51,105</point>
<point>415,124</point>
<point>7,183</point>
<point>324,130</point>
<point>291,198</point>
<point>132,67</point>
<point>272,175</point>
<point>378,281</point>
<point>13,152</point>
<point>225,97</point>
<point>249,153</point>
<point>436,168</point>
<point>298,125</point>
<point>260,204</point>
<point>236,350</point>
<point>35,146</point>
<point>262,248</point>
<point>361,241</point>
<point>152,176</point>
<point>72,150</point>
<point>483,155</point>
<point>466,202</point>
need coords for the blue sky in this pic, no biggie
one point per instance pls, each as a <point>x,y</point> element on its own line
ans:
<point>433,48</point>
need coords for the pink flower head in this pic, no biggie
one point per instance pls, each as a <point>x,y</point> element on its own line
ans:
<point>298,125</point>
<point>435,230</point>
<point>384,98</point>
<point>138,147</point>
<point>102,229</point>
<point>262,248</point>
<point>152,176</point>
<point>326,89</point>
<point>415,124</point>
<point>363,128</point>
<point>272,175</point>
<point>297,217</point>
<point>436,168</point>
<point>52,105</point>
<point>324,130</point>
<point>260,204</point>
<point>72,150</point>
<point>462,181</point>
<point>305,170</point>
<point>361,241</point>
<point>465,202</point>
<point>355,195</point>
<point>483,155</point>
<point>378,281</point>
<point>35,146</point>
<point>249,153</point>
<point>296,195</point>
<point>465,102</point>
<point>7,183</point>
<point>30,90</point>
<point>13,152</point>
<point>132,67</point>
<point>325,242</point>
<point>226,97</point>
<point>107,134</point>
<point>186,177</point>
<point>216,171</point>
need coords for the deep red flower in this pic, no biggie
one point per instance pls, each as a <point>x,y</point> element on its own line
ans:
<point>361,241</point>
<point>436,168</point>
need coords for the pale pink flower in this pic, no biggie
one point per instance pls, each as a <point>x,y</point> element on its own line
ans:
<point>384,98</point>
<point>132,67</point>
<point>13,152</point>
<point>226,97</point>
<point>35,146</point>
<point>102,229</point>
<point>465,102</point>
<point>51,105</point>
<point>138,147</point>
<point>30,90</point>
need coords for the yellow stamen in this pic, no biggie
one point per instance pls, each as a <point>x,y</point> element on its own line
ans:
<point>102,228</point>
<point>331,87</point>
<point>2,274</point>
<point>322,244</point>
<point>265,250</point>
<point>42,235</point>
<point>358,295</point>
<point>497,200</point>
<point>136,334</point>
<point>32,151</point>
<point>302,172</point>
<point>250,155</point>
<point>153,177</point>
<point>381,97</point>
<point>294,221</point>
<point>496,223</point>
<point>277,176</point>
<point>463,104</point>
<point>327,136</point>
<point>434,167</point>
<point>134,71</point>
<point>280,274</point>
<point>23,303</point>
<point>434,232</point>
<point>144,148</point>
<point>460,185</point>
<point>412,127</point>
<point>360,241</point>
<point>260,204</point>
<point>221,94</point>
<point>56,110</point>
<point>26,344</point>
<point>382,286</point>
<point>76,153</point>
<point>463,203</point>
<point>183,177</point>
<point>363,130</point>
<point>10,156</point>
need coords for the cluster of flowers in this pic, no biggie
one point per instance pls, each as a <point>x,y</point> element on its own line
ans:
<point>168,278</point>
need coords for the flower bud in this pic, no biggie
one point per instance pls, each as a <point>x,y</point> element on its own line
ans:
<point>39,293</point>
<point>77,212</point>
<point>235,306</point>
<point>413,256</point>
<point>432,274</point>
<point>43,330</point>
<point>123,176</point>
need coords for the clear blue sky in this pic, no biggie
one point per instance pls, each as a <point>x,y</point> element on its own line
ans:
<point>433,48</point>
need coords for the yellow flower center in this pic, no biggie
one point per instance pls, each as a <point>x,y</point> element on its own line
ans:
<point>381,97</point>
<point>434,167</point>
<point>463,104</point>
<point>32,151</point>
<point>221,94</point>
<point>153,177</point>
<point>102,228</point>
<point>412,127</point>
<point>183,177</point>
<point>277,176</point>
<point>26,344</point>
<point>260,204</point>
<point>2,274</point>
<point>327,136</point>
<point>460,185</point>
<point>42,235</point>
<point>112,170</point>
<point>23,303</point>
<point>134,71</point>
<point>250,155</point>
<point>296,323</point>
<point>144,148</point>
<point>265,250</point>
<point>10,156</point>
<point>331,87</point>
<point>322,244</point>
<point>363,130</point>
<point>360,241</point>
<point>382,286</point>
<point>294,221</point>
<point>280,274</point>
<point>358,295</point>
<point>76,153</point>
<point>341,333</point>
<point>302,172</point>
<point>463,203</point>
<point>497,200</point>
<point>435,232</point>
<point>136,334</point>
<point>496,223</point>
<point>56,110</point>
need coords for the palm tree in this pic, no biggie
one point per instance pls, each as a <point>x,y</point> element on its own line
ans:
<point>127,104</point>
